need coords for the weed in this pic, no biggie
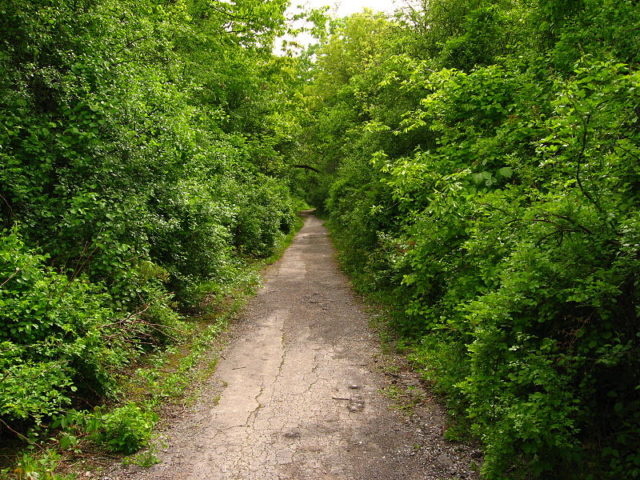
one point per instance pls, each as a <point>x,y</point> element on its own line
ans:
<point>146,458</point>
<point>125,429</point>
<point>40,466</point>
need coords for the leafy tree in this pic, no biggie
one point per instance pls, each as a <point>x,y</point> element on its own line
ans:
<point>140,169</point>
<point>481,172</point>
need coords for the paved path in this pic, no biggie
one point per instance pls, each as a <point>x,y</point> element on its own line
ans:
<point>301,397</point>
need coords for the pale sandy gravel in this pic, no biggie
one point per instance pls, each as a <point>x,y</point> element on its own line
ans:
<point>300,393</point>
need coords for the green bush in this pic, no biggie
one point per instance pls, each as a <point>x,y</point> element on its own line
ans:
<point>125,429</point>
<point>264,215</point>
<point>492,196</point>
<point>53,336</point>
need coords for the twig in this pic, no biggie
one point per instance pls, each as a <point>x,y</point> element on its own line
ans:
<point>585,136</point>
<point>10,277</point>
<point>307,167</point>
<point>21,436</point>
<point>6,202</point>
<point>127,318</point>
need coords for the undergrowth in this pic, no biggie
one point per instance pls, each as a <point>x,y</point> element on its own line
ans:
<point>158,382</point>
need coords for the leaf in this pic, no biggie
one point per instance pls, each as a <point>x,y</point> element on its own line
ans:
<point>505,172</point>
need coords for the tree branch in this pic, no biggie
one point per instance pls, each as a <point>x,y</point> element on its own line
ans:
<point>306,167</point>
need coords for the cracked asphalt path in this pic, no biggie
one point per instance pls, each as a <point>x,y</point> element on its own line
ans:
<point>301,394</point>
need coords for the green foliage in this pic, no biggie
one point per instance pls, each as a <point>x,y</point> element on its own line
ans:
<point>141,171</point>
<point>44,362</point>
<point>265,213</point>
<point>37,466</point>
<point>482,172</point>
<point>125,429</point>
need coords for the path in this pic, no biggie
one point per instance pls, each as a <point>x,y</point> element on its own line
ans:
<point>301,397</point>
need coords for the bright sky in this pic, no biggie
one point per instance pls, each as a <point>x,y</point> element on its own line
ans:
<point>347,7</point>
<point>339,8</point>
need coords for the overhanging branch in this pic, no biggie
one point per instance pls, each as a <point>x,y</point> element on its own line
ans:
<point>306,167</point>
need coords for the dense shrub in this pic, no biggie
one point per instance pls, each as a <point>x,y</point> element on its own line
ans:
<point>265,212</point>
<point>140,169</point>
<point>52,340</point>
<point>493,196</point>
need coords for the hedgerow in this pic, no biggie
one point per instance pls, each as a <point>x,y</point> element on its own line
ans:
<point>485,182</point>
<point>141,171</point>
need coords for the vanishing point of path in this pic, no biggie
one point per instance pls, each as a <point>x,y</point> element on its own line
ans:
<point>301,396</point>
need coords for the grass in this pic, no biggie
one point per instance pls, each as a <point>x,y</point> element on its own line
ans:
<point>405,398</point>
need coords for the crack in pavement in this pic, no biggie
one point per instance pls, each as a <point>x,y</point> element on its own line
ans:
<point>314,369</point>
<point>254,413</point>
<point>283,357</point>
